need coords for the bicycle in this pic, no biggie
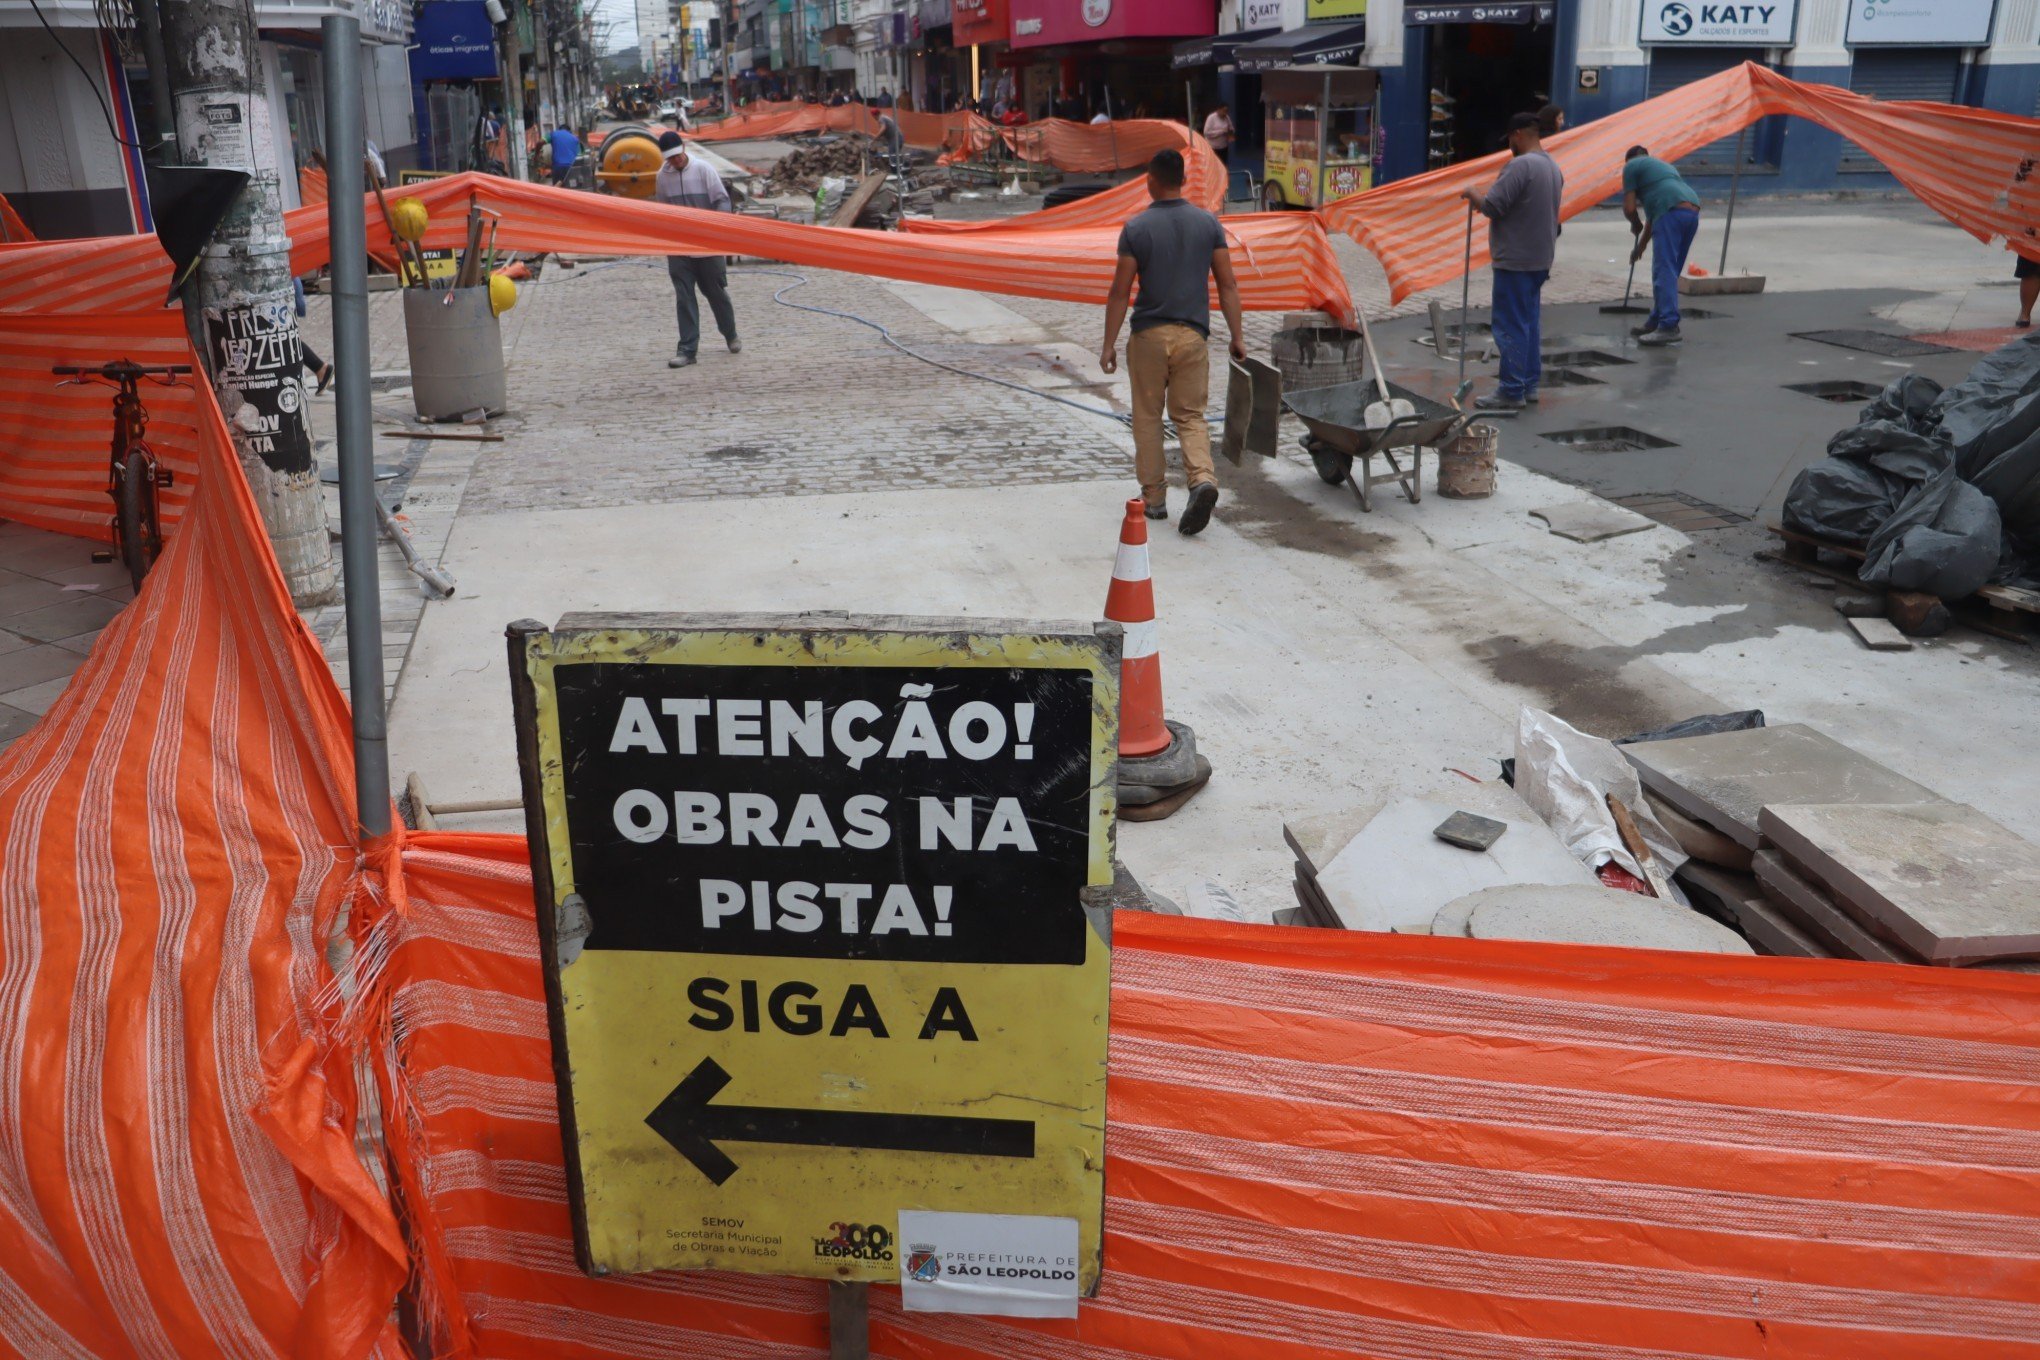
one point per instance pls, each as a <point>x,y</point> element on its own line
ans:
<point>133,474</point>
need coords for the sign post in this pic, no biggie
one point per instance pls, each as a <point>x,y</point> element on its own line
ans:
<point>811,905</point>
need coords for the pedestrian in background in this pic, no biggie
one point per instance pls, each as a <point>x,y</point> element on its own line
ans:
<point>1522,211</point>
<point>695,184</point>
<point>566,149</point>
<point>2027,272</point>
<point>1664,212</point>
<point>1550,120</point>
<point>1175,250</point>
<point>1218,130</point>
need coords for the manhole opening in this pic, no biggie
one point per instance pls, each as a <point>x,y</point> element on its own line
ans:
<point>1875,342</point>
<point>1841,391</point>
<point>1700,314</point>
<point>1607,439</point>
<point>741,452</point>
<point>1584,358</point>
<point>1681,511</point>
<point>1568,377</point>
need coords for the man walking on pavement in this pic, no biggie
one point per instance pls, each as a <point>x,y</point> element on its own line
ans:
<point>1670,219</point>
<point>695,184</point>
<point>566,149</point>
<point>1522,211</point>
<point>1175,249</point>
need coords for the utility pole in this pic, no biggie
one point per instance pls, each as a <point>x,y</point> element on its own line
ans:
<point>240,303</point>
<point>510,58</point>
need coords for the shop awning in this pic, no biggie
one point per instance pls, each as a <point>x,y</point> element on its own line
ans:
<point>1311,45</point>
<point>1522,12</point>
<point>1214,51</point>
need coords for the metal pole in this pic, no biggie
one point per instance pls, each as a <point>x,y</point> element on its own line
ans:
<point>149,25</point>
<point>1734,188</point>
<point>510,59</point>
<point>347,227</point>
<point>1324,116</point>
<point>1190,103</point>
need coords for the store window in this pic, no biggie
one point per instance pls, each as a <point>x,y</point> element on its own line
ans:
<point>1477,75</point>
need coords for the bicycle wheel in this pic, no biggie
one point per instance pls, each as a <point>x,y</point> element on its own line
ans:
<point>141,537</point>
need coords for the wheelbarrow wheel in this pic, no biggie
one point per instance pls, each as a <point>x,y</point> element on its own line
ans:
<point>1332,468</point>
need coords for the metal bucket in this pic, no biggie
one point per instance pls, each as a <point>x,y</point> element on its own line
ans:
<point>1311,357</point>
<point>1466,466</point>
<point>456,352</point>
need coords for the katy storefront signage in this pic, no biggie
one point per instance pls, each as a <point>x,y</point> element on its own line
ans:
<point>1257,14</point>
<point>1522,12</point>
<point>816,952</point>
<point>1957,23</point>
<point>1768,23</point>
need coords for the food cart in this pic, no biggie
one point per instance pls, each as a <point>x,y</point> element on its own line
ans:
<point>1320,134</point>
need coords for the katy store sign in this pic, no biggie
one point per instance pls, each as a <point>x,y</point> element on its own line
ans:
<point>1765,24</point>
<point>1263,14</point>
<point>1958,23</point>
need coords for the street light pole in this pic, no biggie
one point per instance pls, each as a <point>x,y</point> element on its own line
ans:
<point>347,226</point>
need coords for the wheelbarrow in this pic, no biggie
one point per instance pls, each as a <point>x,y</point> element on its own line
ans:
<point>1336,419</point>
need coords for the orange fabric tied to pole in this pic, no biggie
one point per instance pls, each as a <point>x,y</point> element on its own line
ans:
<point>233,1039</point>
<point>1130,602</point>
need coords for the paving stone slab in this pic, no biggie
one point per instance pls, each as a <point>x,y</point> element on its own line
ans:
<point>1725,779</point>
<point>1740,899</point>
<point>1632,922</point>
<point>1395,874</point>
<point>1941,878</point>
<point>1455,918</point>
<point>1815,912</point>
<point>1319,837</point>
<point>1591,521</point>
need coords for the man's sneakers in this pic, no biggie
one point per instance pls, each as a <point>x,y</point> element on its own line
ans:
<point>1496,401</point>
<point>680,360</point>
<point>1660,337</point>
<point>1157,509</point>
<point>1530,397</point>
<point>736,345</point>
<point>1197,513</point>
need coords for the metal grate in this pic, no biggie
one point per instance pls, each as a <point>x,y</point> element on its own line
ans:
<point>1840,391</point>
<point>1568,377</point>
<point>1680,511</point>
<point>1875,342</point>
<point>1584,358</point>
<point>1607,439</point>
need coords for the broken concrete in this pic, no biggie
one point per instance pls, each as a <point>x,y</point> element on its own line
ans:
<point>1726,779</point>
<point>1605,916</point>
<point>1815,913</point>
<point>1941,878</point>
<point>1591,521</point>
<point>1395,874</point>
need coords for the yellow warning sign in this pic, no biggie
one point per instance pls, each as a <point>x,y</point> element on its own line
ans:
<point>811,894</point>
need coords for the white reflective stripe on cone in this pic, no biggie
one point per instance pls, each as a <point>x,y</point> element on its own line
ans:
<point>1131,564</point>
<point>1142,640</point>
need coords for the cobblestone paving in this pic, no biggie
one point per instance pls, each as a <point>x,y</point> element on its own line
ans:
<point>814,405</point>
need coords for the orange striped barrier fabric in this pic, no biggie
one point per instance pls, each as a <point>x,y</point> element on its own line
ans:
<point>13,231</point>
<point>1972,166</point>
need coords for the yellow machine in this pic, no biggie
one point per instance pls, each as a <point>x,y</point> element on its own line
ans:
<point>1320,134</point>
<point>629,162</point>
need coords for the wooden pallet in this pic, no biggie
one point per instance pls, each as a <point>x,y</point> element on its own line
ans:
<point>1803,550</point>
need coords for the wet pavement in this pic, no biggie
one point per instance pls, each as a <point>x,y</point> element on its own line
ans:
<point>54,599</point>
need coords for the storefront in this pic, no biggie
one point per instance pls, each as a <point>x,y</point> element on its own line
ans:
<point>453,81</point>
<point>1104,53</point>
<point>1208,69</point>
<point>1479,64</point>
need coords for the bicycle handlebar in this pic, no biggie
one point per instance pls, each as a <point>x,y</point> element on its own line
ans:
<point>119,368</point>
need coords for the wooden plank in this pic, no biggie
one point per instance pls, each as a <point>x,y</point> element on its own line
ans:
<point>1880,636</point>
<point>1811,541</point>
<point>2012,598</point>
<point>860,199</point>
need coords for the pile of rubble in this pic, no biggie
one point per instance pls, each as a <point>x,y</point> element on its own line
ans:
<point>802,170</point>
<point>1772,840</point>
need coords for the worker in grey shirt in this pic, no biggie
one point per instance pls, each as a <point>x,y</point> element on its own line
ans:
<point>690,183</point>
<point>1177,250</point>
<point>1522,212</point>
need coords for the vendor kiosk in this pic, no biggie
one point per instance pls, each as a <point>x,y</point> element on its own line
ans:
<point>1320,134</point>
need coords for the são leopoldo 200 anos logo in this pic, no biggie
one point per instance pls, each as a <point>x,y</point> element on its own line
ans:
<point>855,1242</point>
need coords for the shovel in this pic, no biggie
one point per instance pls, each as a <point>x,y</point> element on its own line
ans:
<point>1379,415</point>
<point>1625,307</point>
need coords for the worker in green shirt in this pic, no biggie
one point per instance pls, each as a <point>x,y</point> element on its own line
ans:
<point>1669,219</point>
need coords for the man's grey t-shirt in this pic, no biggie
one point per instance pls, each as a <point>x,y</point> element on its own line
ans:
<point>1523,213</point>
<point>1171,244</point>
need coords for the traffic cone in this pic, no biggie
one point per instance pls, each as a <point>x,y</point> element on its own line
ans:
<point>1159,768</point>
<point>1130,603</point>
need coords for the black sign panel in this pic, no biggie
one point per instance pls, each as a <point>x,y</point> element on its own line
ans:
<point>873,812</point>
<point>1542,12</point>
<point>256,356</point>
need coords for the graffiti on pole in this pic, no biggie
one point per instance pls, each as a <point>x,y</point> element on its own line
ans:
<point>258,371</point>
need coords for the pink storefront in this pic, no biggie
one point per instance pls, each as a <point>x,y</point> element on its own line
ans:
<point>1087,50</point>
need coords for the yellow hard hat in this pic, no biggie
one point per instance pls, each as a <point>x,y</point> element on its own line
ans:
<point>408,218</point>
<point>502,294</point>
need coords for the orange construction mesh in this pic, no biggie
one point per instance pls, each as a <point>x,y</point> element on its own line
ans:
<point>1972,166</point>
<point>1322,1145</point>
<point>13,231</point>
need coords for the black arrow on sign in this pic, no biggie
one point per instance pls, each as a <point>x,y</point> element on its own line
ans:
<point>694,1127</point>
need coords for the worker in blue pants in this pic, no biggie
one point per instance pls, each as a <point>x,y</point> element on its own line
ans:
<point>1522,211</point>
<point>1664,213</point>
